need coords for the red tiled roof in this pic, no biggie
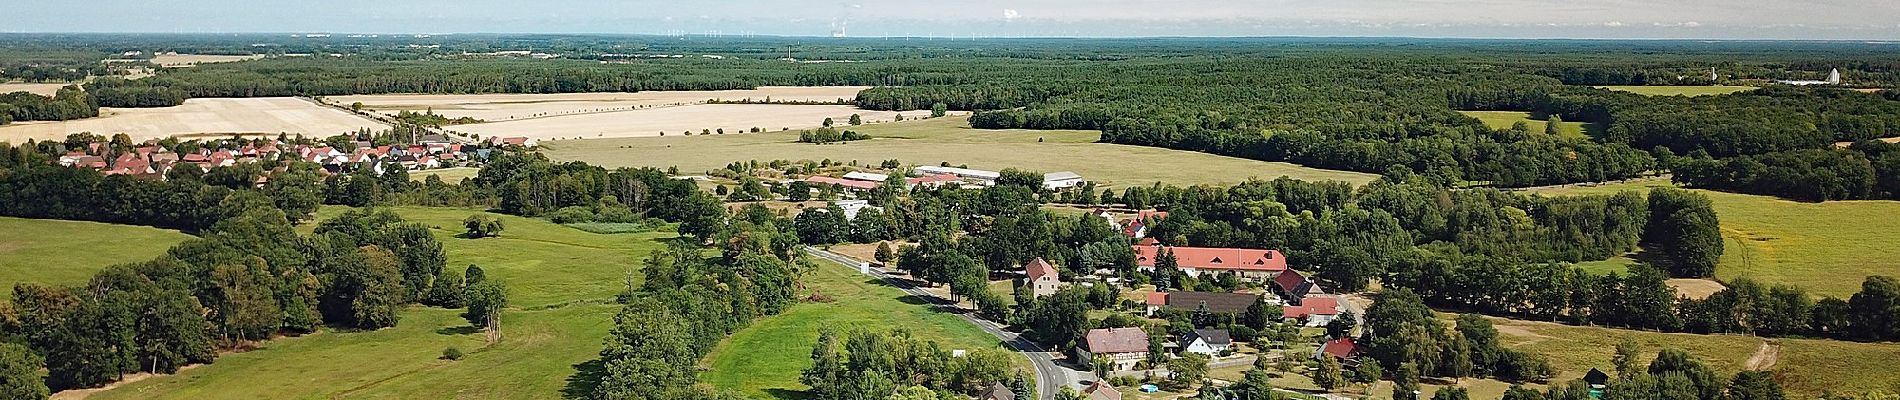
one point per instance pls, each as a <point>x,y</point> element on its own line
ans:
<point>1214,258</point>
<point>826,180</point>
<point>1101,391</point>
<point>1038,269</point>
<point>1341,347</point>
<point>1116,340</point>
<point>1313,305</point>
<point>1158,299</point>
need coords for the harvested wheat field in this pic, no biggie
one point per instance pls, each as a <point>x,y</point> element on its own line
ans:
<point>508,107</point>
<point>43,89</point>
<point>186,60</point>
<point>677,120</point>
<point>264,115</point>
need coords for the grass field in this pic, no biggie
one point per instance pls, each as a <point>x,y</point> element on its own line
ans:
<point>448,175</point>
<point>947,140</point>
<point>43,89</point>
<point>1827,248</point>
<point>1680,90</point>
<point>1505,119</point>
<point>764,360</point>
<point>561,281</point>
<point>66,253</point>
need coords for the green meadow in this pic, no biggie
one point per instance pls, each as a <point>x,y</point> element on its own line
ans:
<point>1827,248</point>
<point>67,253</point>
<point>951,140</point>
<point>1505,119</point>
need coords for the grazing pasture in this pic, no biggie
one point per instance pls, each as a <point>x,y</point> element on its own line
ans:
<point>67,253</point>
<point>764,360</point>
<point>561,285</point>
<point>1827,248</point>
<point>208,117</point>
<point>951,140</point>
<point>1690,91</point>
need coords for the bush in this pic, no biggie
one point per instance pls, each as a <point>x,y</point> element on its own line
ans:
<point>572,215</point>
<point>452,354</point>
<point>481,226</point>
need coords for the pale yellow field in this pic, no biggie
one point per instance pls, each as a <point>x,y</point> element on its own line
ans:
<point>676,120</point>
<point>186,60</point>
<point>265,115</point>
<point>43,89</point>
<point>509,107</point>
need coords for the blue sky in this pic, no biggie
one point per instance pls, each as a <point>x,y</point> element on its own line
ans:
<point>1687,19</point>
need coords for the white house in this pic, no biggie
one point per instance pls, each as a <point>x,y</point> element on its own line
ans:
<point>1314,311</point>
<point>1061,180</point>
<point>1210,342</point>
<point>1043,279</point>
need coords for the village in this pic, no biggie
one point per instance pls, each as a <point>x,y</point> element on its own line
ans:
<point>156,159</point>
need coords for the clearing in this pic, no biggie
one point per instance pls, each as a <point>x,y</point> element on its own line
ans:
<point>561,281</point>
<point>765,359</point>
<point>173,60</point>
<point>208,117</point>
<point>448,175</point>
<point>1827,248</point>
<point>1691,91</point>
<point>1504,120</point>
<point>68,253</point>
<point>949,139</point>
<point>43,89</point>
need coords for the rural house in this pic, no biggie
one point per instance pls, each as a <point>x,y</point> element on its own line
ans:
<point>1251,264</point>
<point>996,391</point>
<point>1343,349</point>
<point>1101,391</point>
<point>1210,342</point>
<point>1294,287</point>
<point>1313,311</point>
<point>1138,226</point>
<point>1043,279</point>
<point>1122,346</point>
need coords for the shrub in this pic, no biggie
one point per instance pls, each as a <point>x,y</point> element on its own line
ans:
<point>571,215</point>
<point>481,226</point>
<point>452,353</point>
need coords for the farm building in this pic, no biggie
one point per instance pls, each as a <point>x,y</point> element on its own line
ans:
<point>1257,265</point>
<point>846,184</point>
<point>1122,346</point>
<point>866,176</point>
<point>1210,342</point>
<point>986,178</point>
<point>1230,303</point>
<point>1061,180</point>
<point>932,181</point>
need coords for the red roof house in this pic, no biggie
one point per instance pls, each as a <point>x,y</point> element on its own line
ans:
<point>1341,348</point>
<point>1256,264</point>
<point>1315,310</point>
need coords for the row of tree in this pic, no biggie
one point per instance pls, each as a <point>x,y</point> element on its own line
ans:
<point>877,365</point>
<point>1867,170</point>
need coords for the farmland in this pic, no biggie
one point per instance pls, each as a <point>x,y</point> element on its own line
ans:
<point>948,140</point>
<point>1691,91</point>
<point>43,89</point>
<point>1824,247</point>
<point>764,360</point>
<point>210,117</point>
<point>561,281</point>
<point>65,253</point>
<point>612,115</point>
<point>504,107</point>
<point>677,121</point>
<point>1505,119</point>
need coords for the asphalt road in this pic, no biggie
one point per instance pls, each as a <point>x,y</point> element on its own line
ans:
<point>1050,376</point>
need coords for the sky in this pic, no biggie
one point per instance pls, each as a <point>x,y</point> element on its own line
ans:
<point>1653,19</point>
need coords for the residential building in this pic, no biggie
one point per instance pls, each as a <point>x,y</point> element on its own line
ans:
<point>1123,347</point>
<point>1256,265</point>
<point>996,392</point>
<point>1342,348</point>
<point>1137,227</point>
<point>1210,342</point>
<point>1313,311</point>
<point>1043,278</point>
<point>1101,391</point>
<point>1295,287</point>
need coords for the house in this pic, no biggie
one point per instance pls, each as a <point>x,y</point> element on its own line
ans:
<point>866,176</point>
<point>1211,342</point>
<point>852,207</point>
<point>1596,378</point>
<point>1138,227</point>
<point>513,141</point>
<point>1061,180</point>
<point>1315,311</point>
<point>996,391</point>
<point>1252,264</point>
<point>1294,287</point>
<point>1342,348</point>
<point>1101,391</point>
<point>1229,303</point>
<point>1124,347</point>
<point>1043,279</point>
